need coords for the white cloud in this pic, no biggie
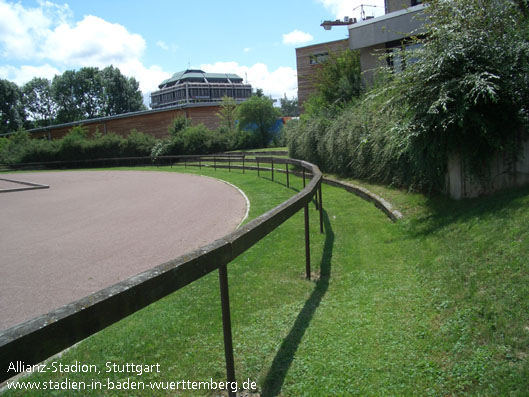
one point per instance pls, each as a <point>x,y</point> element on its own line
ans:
<point>45,40</point>
<point>22,29</point>
<point>25,73</point>
<point>297,37</point>
<point>342,8</point>
<point>166,47</point>
<point>275,83</point>
<point>48,35</point>
<point>148,77</point>
<point>45,33</point>
<point>92,42</point>
<point>163,45</point>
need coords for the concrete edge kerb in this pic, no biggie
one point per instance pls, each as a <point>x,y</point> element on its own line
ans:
<point>365,194</point>
<point>382,204</point>
<point>243,195</point>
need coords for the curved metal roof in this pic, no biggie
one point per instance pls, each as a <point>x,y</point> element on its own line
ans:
<point>196,74</point>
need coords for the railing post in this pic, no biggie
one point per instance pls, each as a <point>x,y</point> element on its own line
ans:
<point>316,200</point>
<point>258,173</point>
<point>243,157</point>
<point>226,326</point>
<point>307,242</point>
<point>272,162</point>
<point>288,182</point>
<point>215,163</point>
<point>321,209</point>
<point>303,177</point>
<point>200,163</point>
<point>229,164</point>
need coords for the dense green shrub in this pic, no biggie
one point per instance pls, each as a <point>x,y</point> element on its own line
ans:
<point>137,144</point>
<point>364,141</point>
<point>258,114</point>
<point>469,92</point>
<point>76,145</point>
<point>465,92</point>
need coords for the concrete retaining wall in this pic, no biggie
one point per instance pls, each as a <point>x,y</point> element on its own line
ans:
<point>503,173</point>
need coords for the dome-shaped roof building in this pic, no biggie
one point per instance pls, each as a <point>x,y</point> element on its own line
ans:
<point>195,86</point>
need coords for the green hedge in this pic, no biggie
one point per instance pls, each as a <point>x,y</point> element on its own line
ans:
<point>76,145</point>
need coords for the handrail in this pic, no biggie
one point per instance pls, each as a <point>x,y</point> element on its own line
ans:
<point>63,327</point>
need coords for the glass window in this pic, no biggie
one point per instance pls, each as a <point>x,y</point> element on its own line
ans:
<point>318,58</point>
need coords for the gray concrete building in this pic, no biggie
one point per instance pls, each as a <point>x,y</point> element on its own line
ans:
<point>380,40</point>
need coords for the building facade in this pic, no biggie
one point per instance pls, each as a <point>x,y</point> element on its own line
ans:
<point>379,41</point>
<point>196,86</point>
<point>308,60</point>
<point>153,122</point>
<point>387,35</point>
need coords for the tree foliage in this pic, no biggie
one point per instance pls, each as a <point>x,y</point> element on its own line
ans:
<point>121,93</point>
<point>91,92</point>
<point>469,92</point>
<point>289,107</point>
<point>466,92</point>
<point>71,96</point>
<point>258,114</point>
<point>338,82</point>
<point>228,113</point>
<point>38,101</point>
<point>11,109</point>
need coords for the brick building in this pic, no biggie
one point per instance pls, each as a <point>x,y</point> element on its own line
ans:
<point>193,94</point>
<point>308,60</point>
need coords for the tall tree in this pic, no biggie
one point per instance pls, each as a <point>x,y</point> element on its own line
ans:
<point>89,92</point>
<point>289,107</point>
<point>121,94</point>
<point>339,81</point>
<point>65,96</point>
<point>227,113</point>
<point>12,114</point>
<point>259,114</point>
<point>38,101</point>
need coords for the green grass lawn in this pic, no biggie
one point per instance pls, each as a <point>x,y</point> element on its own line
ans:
<point>435,304</point>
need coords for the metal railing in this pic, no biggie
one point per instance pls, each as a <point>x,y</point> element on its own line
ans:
<point>40,338</point>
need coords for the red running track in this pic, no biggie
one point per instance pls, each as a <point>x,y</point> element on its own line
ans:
<point>92,229</point>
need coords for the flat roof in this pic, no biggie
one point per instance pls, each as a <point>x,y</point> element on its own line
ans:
<point>123,115</point>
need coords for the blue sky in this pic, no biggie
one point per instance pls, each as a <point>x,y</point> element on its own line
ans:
<point>151,40</point>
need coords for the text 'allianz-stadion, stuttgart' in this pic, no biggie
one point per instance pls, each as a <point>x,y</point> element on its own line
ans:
<point>195,86</point>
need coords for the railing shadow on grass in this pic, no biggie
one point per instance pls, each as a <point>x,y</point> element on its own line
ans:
<point>285,355</point>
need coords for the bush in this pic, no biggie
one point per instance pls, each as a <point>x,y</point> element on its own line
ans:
<point>470,89</point>
<point>138,144</point>
<point>367,140</point>
<point>466,92</point>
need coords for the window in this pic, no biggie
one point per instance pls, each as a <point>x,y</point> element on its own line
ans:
<point>315,59</point>
<point>400,56</point>
<point>415,2</point>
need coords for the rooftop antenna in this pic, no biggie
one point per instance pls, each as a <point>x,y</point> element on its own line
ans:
<point>327,25</point>
<point>363,11</point>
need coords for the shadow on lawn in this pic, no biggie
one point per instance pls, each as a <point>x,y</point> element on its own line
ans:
<point>276,375</point>
<point>443,212</point>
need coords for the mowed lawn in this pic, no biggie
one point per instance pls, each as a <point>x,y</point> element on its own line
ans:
<point>434,304</point>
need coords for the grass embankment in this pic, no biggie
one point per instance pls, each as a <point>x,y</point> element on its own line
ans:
<point>437,303</point>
